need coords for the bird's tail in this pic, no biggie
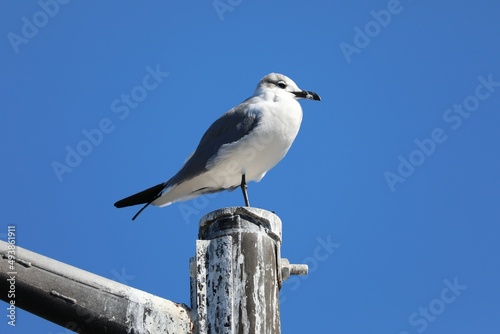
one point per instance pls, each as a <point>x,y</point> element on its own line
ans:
<point>144,197</point>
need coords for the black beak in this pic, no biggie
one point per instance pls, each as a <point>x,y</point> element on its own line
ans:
<point>307,95</point>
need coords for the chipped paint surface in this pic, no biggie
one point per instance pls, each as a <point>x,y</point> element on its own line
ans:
<point>149,314</point>
<point>237,288</point>
<point>99,303</point>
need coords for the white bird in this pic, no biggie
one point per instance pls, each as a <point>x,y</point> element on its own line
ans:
<point>241,146</point>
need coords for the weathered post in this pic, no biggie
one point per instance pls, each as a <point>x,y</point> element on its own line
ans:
<point>236,274</point>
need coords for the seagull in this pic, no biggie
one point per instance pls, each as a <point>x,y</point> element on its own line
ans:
<point>239,147</point>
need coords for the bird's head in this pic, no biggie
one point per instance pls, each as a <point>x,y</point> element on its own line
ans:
<point>281,86</point>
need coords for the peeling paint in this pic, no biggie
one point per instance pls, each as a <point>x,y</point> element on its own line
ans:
<point>99,304</point>
<point>151,315</point>
<point>237,288</point>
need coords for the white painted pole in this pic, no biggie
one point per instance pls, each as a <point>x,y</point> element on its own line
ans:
<point>236,274</point>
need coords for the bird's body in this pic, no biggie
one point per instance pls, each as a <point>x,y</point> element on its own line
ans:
<point>241,146</point>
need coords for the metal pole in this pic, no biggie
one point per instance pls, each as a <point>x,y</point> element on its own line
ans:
<point>81,301</point>
<point>237,273</point>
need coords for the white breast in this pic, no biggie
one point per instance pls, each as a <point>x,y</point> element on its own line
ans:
<point>263,148</point>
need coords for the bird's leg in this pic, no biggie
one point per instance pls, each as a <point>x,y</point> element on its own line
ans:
<point>244,187</point>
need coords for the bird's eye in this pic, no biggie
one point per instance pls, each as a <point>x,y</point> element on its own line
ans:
<point>281,84</point>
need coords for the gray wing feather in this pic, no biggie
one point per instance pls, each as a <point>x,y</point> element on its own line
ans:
<point>230,127</point>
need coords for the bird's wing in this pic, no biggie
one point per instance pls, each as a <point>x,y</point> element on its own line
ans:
<point>230,127</point>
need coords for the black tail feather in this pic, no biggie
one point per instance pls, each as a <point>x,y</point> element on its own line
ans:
<point>144,197</point>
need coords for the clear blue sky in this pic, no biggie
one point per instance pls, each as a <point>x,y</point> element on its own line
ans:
<point>397,169</point>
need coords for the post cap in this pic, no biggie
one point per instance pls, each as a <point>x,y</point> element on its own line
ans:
<point>258,218</point>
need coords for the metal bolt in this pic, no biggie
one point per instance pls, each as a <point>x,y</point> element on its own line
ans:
<point>288,269</point>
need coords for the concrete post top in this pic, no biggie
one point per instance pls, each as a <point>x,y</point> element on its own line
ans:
<point>260,217</point>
